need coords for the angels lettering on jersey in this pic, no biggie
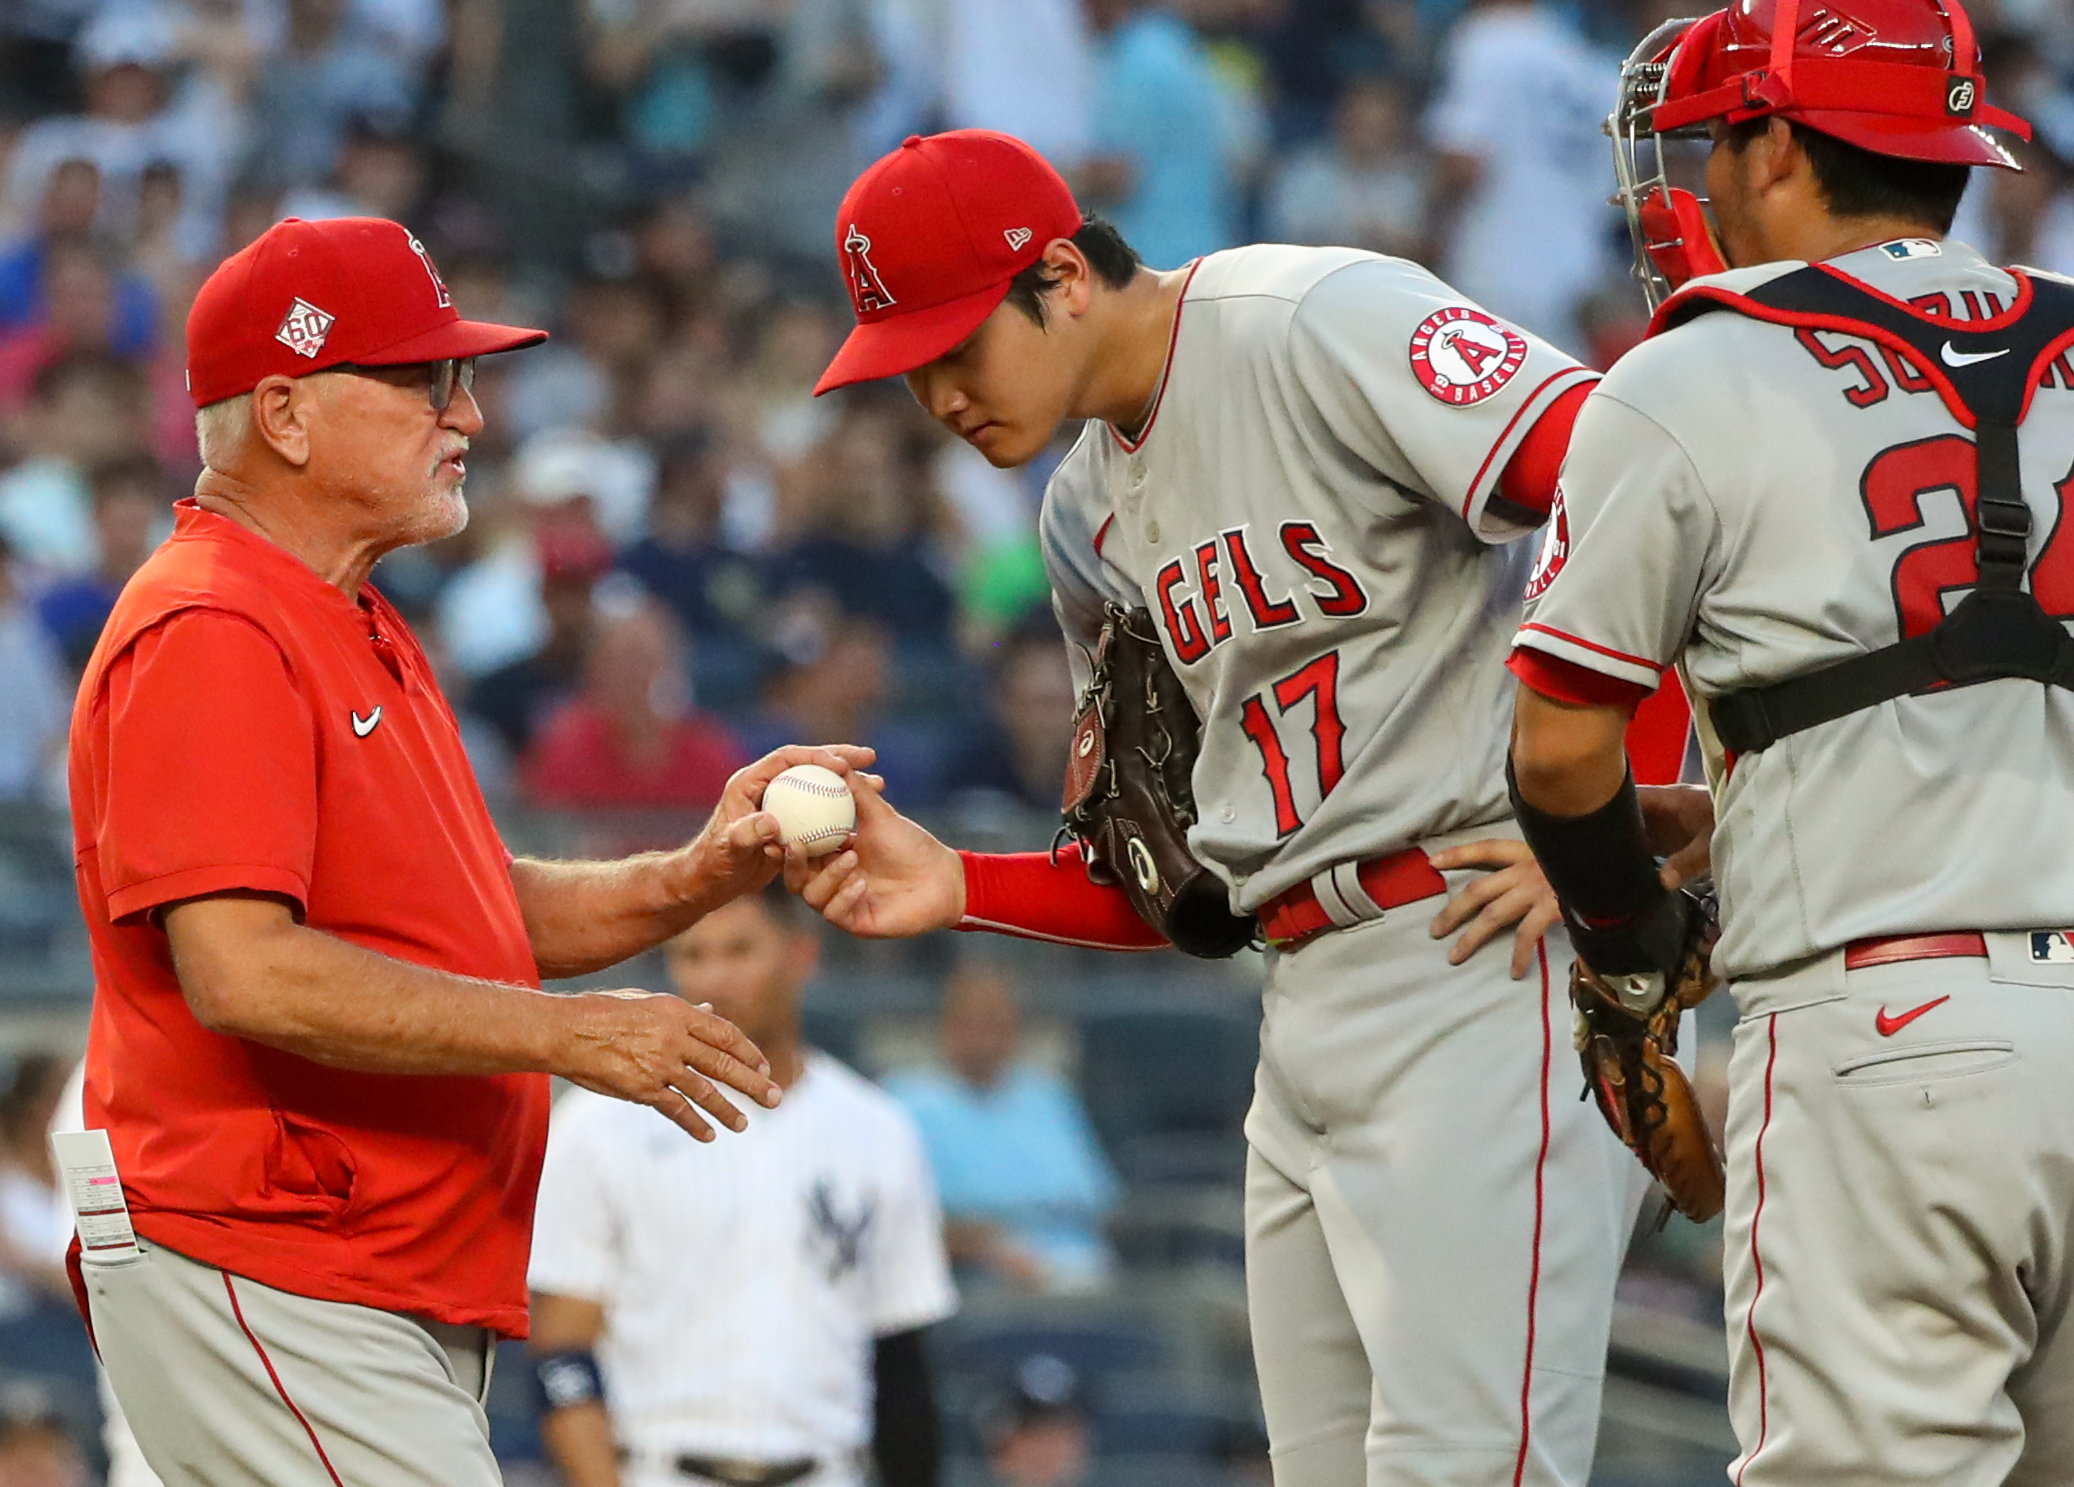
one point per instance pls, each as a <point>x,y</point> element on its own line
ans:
<point>1283,581</point>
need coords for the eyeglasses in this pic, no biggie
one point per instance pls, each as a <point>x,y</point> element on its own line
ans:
<point>439,379</point>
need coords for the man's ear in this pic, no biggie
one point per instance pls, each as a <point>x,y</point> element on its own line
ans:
<point>1074,276</point>
<point>1779,155</point>
<point>281,413</point>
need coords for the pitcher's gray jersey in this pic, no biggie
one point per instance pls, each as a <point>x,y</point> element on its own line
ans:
<point>1761,501</point>
<point>1308,515</point>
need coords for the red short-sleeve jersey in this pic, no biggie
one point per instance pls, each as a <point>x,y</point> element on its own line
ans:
<point>244,725</point>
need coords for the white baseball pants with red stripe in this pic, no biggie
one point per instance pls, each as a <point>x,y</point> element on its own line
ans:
<point>1900,1216</point>
<point>229,1383</point>
<point>1434,1222</point>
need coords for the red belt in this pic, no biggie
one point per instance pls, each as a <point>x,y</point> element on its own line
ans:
<point>1293,916</point>
<point>1887,949</point>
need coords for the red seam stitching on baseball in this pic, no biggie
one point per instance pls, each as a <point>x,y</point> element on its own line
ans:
<point>268,1364</point>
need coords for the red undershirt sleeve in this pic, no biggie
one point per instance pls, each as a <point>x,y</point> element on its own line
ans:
<point>1033,896</point>
<point>1658,721</point>
<point>1528,480</point>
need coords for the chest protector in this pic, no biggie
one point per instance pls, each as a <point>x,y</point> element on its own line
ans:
<point>1987,372</point>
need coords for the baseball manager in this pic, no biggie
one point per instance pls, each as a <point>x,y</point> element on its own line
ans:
<point>318,1047</point>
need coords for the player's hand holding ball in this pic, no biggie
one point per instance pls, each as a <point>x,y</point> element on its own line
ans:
<point>814,809</point>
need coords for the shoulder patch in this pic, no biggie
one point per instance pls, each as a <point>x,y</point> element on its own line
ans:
<point>1555,549</point>
<point>1463,356</point>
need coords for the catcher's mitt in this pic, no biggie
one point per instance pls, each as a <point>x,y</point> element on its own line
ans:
<point>1129,799</point>
<point>1627,1035</point>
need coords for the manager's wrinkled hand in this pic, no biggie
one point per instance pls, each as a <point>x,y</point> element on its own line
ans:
<point>663,1052</point>
<point>738,850</point>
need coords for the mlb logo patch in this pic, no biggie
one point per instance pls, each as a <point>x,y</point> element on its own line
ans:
<point>304,328</point>
<point>2051,947</point>
<point>1903,249</point>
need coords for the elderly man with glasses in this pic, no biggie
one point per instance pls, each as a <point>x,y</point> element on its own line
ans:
<point>319,1049</point>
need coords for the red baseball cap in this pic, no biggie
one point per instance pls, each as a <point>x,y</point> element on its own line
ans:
<point>929,237</point>
<point>311,295</point>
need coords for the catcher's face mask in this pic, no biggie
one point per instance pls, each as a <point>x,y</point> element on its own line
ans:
<point>1895,77</point>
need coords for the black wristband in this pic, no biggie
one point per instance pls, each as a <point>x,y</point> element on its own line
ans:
<point>1622,919</point>
<point>566,1378</point>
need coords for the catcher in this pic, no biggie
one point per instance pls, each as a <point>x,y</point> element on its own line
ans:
<point>1832,487</point>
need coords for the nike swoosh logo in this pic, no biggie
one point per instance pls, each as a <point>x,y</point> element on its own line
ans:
<point>364,726</point>
<point>1956,358</point>
<point>1889,1026</point>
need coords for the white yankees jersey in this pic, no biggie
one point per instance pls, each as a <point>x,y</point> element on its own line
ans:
<point>744,1281</point>
<point>1308,516</point>
<point>1757,501</point>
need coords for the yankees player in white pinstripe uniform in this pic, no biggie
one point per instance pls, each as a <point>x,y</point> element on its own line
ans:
<point>753,1319</point>
<point>1307,464</point>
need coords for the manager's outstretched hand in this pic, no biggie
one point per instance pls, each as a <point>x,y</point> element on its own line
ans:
<point>892,881</point>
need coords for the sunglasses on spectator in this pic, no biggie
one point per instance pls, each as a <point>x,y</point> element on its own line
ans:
<point>439,379</point>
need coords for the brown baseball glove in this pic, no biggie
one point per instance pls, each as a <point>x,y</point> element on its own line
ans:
<point>1129,798</point>
<point>1627,1036</point>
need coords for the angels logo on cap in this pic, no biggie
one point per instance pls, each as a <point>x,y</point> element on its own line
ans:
<point>446,298</point>
<point>1462,356</point>
<point>304,328</point>
<point>866,288</point>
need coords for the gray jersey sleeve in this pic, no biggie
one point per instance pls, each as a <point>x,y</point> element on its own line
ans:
<point>1423,387</point>
<point>1070,529</point>
<point>1628,552</point>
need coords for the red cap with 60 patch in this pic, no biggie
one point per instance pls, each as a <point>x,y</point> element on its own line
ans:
<point>928,239</point>
<point>310,295</point>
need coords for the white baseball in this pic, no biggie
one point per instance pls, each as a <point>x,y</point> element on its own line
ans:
<point>813,806</point>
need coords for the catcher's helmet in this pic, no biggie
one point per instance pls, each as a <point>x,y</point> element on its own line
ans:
<point>1895,77</point>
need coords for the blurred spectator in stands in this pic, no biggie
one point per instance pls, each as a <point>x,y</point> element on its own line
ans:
<point>33,680</point>
<point>83,411</point>
<point>682,560</point>
<point>1164,139</point>
<point>1023,1182</point>
<point>611,326</point>
<point>379,171</point>
<point>675,256</point>
<point>491,613</point>
<point>33,1215</point>
<point>2030,218</point>
<point>331,70</point>
<point>1024,67</point>
<point>1036,1432</point>
<point>71,200</point>
<point>863,516</point>
<point>1364,187</point>
<point>35,1450</point>
<point>36,76</point>
<point>519,697</point>
<point>631,738</point>
<point>134,117</point>
<point>131,507</point>
<point>1019,752</point>
<point>81,315</point>
<point>1518,211</point>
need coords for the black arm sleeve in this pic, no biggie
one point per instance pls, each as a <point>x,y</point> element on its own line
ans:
<point>1622,920</point>
<point>907,1435</point>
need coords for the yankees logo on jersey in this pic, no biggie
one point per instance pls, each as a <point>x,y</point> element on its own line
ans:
<point>836,1236</point>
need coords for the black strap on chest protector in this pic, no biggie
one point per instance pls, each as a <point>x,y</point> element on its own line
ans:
<point>1986,376</point>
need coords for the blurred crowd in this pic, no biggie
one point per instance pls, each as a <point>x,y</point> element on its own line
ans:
<point>677,554</point>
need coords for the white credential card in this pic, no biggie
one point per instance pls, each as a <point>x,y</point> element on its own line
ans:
<point>95,1190</point>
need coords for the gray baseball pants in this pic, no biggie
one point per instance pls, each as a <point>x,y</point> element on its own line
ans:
<point>229,1383</point>
<point>1434,1222</point>
<point>1899,1248</point>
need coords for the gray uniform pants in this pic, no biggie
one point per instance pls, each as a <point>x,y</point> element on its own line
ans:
<point>1434,1223</point>
<point>229,1383</point>
<point>1900,1215</point>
